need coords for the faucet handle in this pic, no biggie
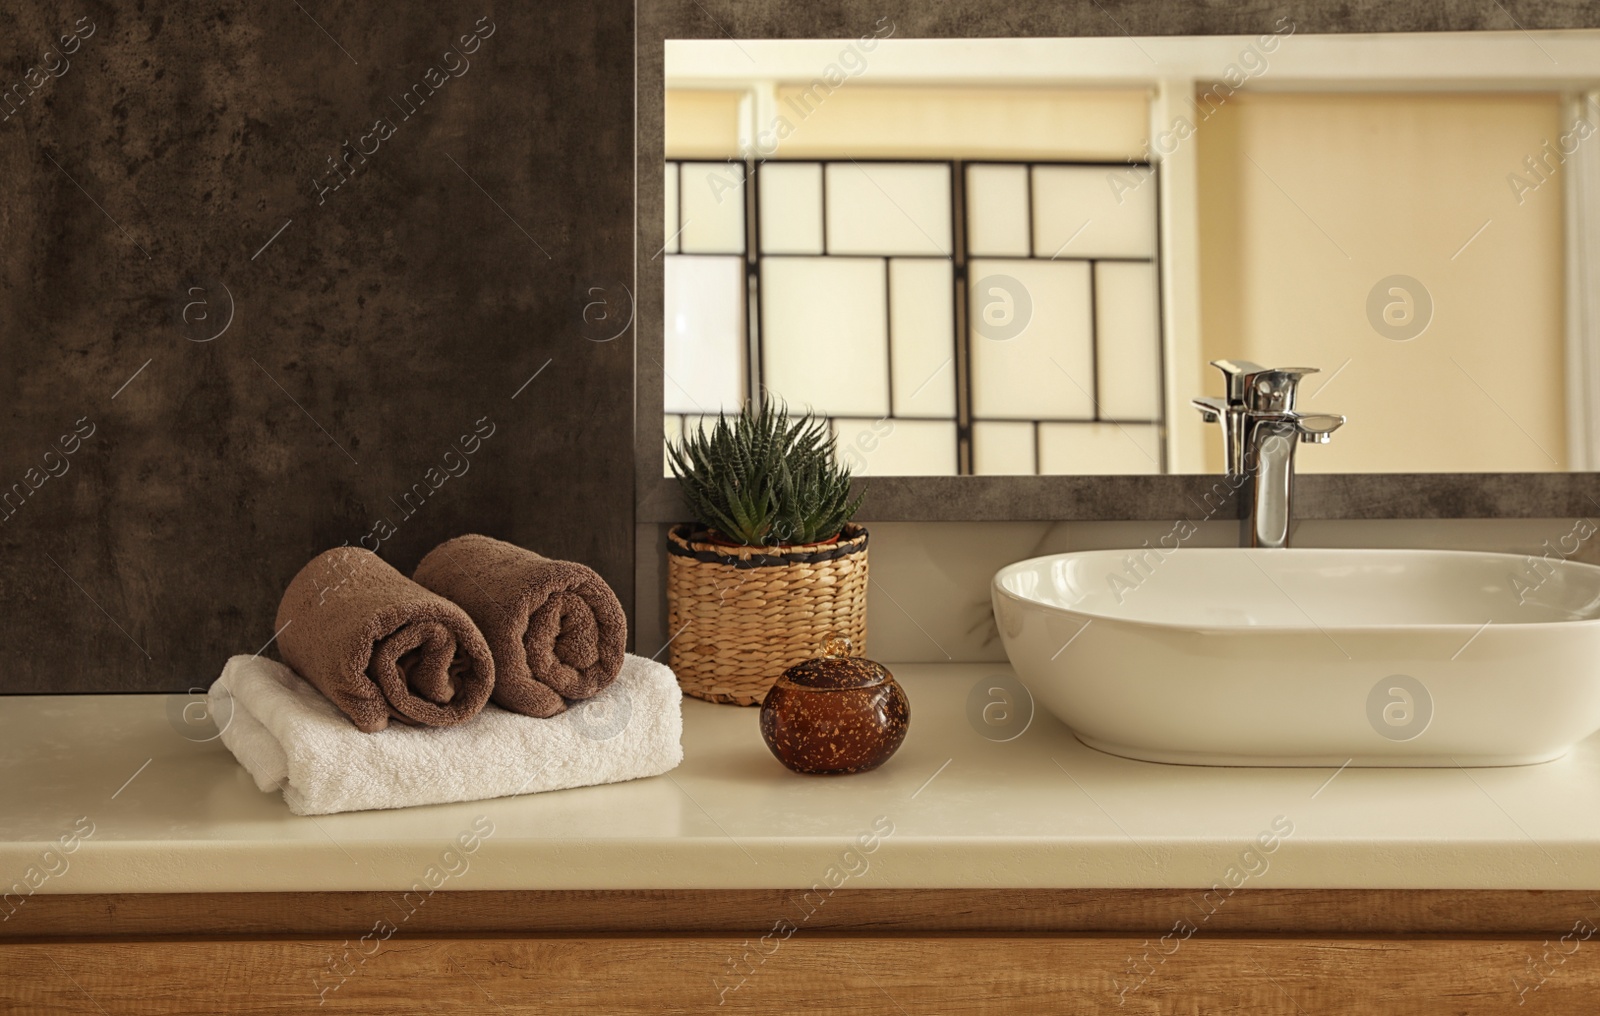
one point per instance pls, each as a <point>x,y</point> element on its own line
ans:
<point>1316,428</point>
<point>1237,374</point>
<point>1262,389</point>
<point>1211,409</point>
<point>1274,391</point>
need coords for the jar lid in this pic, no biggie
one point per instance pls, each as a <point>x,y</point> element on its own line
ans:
<point>836,668</point>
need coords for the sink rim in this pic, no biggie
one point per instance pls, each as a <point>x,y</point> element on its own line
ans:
<point>998,588</point>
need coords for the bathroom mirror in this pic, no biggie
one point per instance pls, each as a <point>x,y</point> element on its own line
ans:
<point>992,259</point>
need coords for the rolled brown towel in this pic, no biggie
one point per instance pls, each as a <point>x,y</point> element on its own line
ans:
<point>378,645</point>
<point>555,628</point>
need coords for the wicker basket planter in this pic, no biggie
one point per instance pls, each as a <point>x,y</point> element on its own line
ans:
<point>743,615</point>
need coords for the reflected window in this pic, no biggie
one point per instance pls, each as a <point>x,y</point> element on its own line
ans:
<point>948,316</point>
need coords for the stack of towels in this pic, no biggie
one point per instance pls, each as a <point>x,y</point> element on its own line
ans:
<point>387,703</point>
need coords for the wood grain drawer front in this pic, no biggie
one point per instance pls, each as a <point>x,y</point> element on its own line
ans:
<point>819,973</point>
<point>1305,913</point>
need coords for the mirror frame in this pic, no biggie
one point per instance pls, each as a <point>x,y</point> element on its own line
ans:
<point>1056,498</point>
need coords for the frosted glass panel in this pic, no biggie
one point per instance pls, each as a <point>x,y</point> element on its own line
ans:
<point>671,430</point>
<point>1031,356</point>
<point>1095,449</point>
<point>791,207</point>
<point>670,227</point>
<point>893,208</point>
<point>1129,358</point>
<point>713,208</point>
<point>1077,214</point>
<point>897,447</point>
<point>692,424</point>
<point>824,334</point>
<point>997,211</point>
<point>675,427</point>
<point>1002,448</point>
<point>705,360</point>
<point>922,337</point>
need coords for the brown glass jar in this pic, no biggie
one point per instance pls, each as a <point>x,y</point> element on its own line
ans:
<point>835,714</point>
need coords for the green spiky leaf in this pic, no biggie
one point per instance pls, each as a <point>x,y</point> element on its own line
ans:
<point>764,478</point>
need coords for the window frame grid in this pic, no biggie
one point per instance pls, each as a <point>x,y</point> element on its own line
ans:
<point>960,258</point>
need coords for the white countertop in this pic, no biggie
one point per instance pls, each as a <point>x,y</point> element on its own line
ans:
<point>1041,810</point>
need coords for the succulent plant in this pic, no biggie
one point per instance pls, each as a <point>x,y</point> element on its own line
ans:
<point>764,478</point>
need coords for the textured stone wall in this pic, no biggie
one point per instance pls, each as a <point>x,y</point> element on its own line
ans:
<point>277,277</point>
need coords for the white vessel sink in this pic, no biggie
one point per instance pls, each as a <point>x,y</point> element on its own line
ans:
<point>1309,657</point>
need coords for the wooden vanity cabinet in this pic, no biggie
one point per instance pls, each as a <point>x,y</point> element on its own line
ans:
<point>856,951</point>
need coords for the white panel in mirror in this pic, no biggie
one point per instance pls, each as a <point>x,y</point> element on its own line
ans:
<point>1096,449</point>
<point>897,447</point>
<point>670,226</point>
<point>1031,340</point>
<point>825,334</point>
<point>997,211</point>
<point>675,427</point>
<point>1127,341</point>
<point>672,432</point>
<point>712,207</point>
<point>1077,213</point>
<point>791,207</point>
<point>888,208</point>
<point>921,336</point>
<point>704,339</point>
<point>1002,448</point>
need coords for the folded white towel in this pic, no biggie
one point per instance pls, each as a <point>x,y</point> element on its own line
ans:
<point>286,734</point>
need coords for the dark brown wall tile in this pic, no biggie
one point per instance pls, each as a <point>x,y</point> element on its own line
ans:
<point>383,318</point>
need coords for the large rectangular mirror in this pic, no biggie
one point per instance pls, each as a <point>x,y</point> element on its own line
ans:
<point>1011,257</point>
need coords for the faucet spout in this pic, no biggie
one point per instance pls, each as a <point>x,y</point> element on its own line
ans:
<point>1260,430</point>
<point>1272,444</point>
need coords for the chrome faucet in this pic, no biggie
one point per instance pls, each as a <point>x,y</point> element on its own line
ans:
<point>1260,428</point>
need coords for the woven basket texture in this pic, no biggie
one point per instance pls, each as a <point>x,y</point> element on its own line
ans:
<point>741,616</point>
